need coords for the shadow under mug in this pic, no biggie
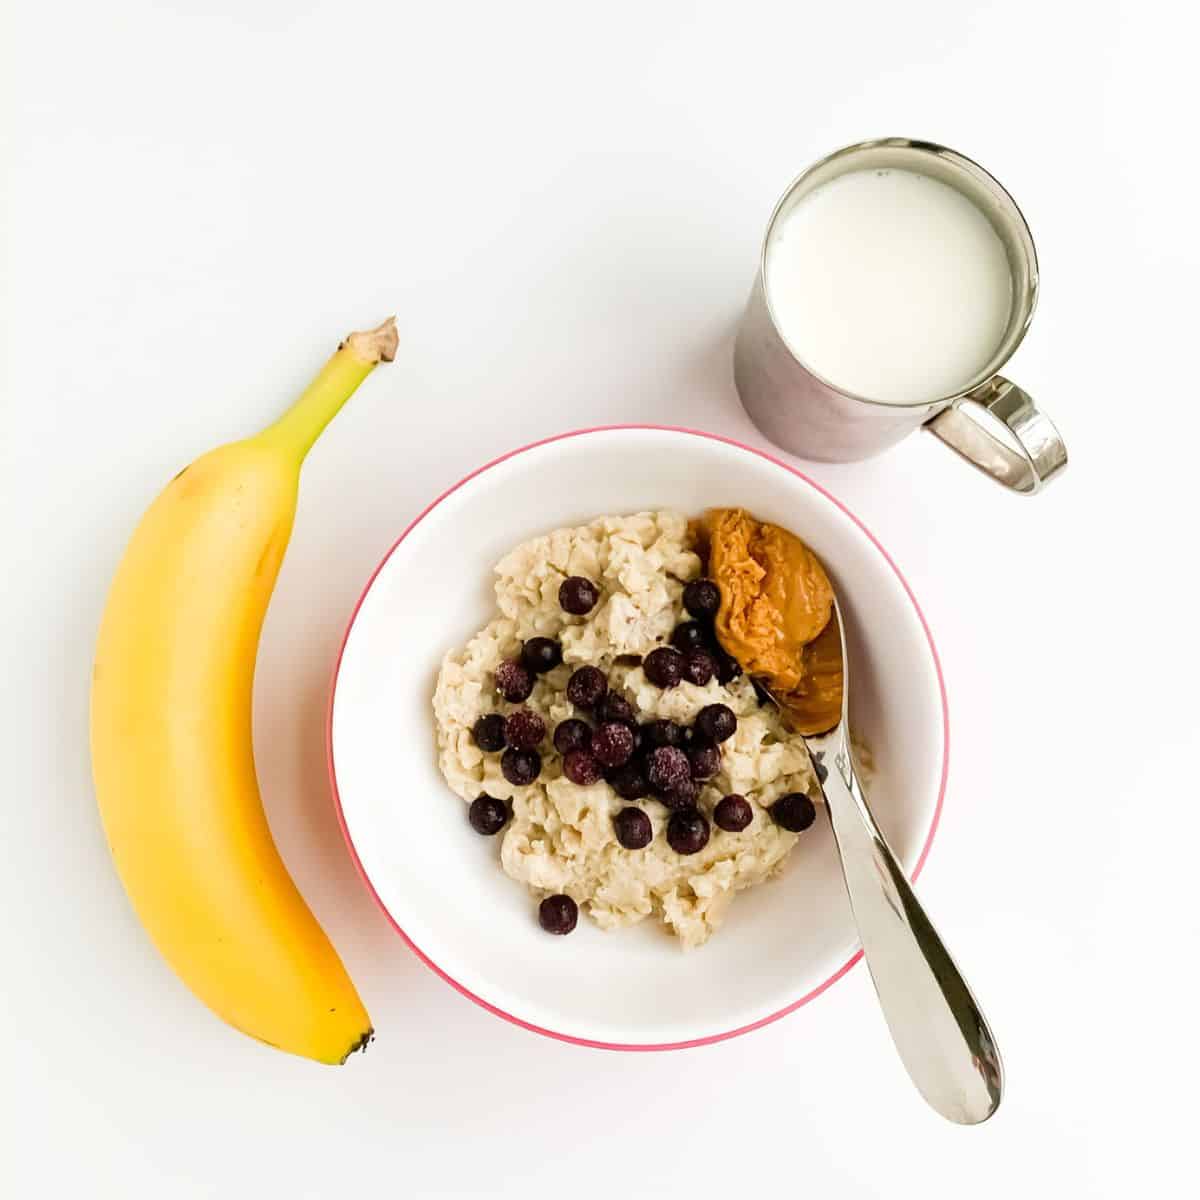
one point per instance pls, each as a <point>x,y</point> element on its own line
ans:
<point>991,422</point>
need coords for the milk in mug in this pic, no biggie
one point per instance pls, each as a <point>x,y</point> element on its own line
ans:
<point>890,285</point>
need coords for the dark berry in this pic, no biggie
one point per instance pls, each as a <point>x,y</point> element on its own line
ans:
<point>586,687</point>
<point>581,768</point>
<point>794,812</point>
<point>558,914</point>
<point>577,595</point>
<point>684,796</point>
<point>667,768</point>
<point>691,635</point>
<point>633,828</point>
<point>663,667</point>
<point>699,667</point>
<point>572,734</point>
<point>716,722</point>
<point>733,813</point>
<point>705,761</point>
<point>489,733</point>
<point>614,707</point>
<point>728,668</point>
<point>612,743</point>
<point>521,767</point>
<point>663,733</point>
<point>638,738</point>
<point>487,815</point>
<point>687,831</point>
<point>524,729</point>
<point>702,598</point>
<point>540,655</point>
<point>513,681</point>
<point>629,781</point>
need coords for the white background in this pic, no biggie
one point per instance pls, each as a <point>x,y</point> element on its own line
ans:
<point>562,204</point>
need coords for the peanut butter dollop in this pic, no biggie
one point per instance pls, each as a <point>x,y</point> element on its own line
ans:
<point>776,601</point>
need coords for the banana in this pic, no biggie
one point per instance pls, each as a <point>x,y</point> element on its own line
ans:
<point>172,755</point>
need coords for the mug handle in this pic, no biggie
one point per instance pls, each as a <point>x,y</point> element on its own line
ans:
<point>1000,430</point>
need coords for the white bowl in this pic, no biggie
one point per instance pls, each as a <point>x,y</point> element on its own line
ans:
<point>441,885</point>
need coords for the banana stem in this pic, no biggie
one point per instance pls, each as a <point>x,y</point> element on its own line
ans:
<point>335,383</point>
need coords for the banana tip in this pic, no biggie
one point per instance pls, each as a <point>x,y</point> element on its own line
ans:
<point>375,345</point>
<point>362,1044</point>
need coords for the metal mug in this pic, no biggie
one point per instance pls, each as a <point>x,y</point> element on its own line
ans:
<point>991,422</point>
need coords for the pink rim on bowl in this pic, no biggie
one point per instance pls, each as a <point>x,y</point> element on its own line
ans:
<point>454,983</point>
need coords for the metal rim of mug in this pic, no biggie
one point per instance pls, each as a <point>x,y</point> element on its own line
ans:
<point>971,167</point>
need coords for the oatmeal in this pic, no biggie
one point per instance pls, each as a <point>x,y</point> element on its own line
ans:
<point>633,761</point>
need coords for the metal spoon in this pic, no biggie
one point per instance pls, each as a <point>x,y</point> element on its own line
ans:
<point>939,1029</point>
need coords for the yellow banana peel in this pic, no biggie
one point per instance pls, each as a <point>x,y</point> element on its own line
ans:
<point>172,754</point>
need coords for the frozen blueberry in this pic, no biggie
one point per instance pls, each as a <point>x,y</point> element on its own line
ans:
<point>489,733</point>
<point>699,667</point>
<point>663,733</point>
<point>612,743</point>
<point>577,595</point>
<point>540,655</point>
<point>705,761</point>
<point>691,635</point>
<point>716,722</point>
<point>629,780</point>
<point>794,812</point>
<point>683,796</point>
<point>586,687</point>
<point>702,598</point>
<point>687,831</point>
<point>614,707</point>
<point>663,667</point>
<point>524,729</point>
<point>728,668</point>
<point>513,681</point>
<point>733,813</point>
<point>667,768</point>
<point>572,734</point>
<point>521,767</point>
<point>633,828</point>
<point>558,914</point>
<point>581,768</point>
<point>487,815</point>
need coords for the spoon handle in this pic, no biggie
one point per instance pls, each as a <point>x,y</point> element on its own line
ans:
<point>939,1030</point>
